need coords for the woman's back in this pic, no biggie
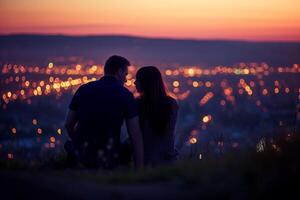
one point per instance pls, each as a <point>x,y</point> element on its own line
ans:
<point>159,143</point>
<point>157,115</point>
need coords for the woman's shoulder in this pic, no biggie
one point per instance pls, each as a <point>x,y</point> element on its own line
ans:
<point>173,102</point>
<point>168,101</point>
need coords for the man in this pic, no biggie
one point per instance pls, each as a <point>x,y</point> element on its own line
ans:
<point>96,114</point>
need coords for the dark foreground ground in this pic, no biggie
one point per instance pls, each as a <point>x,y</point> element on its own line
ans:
<point>272,174</point>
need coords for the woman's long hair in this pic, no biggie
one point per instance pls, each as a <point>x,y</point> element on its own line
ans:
<point>155,105</point>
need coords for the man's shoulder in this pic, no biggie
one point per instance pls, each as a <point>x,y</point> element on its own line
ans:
<point>88,85</point>
<point>124,91</point>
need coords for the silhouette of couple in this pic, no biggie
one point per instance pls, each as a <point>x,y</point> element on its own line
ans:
<point>98,109</point>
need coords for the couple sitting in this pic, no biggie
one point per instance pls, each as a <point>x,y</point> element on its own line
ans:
<point>98,109</point>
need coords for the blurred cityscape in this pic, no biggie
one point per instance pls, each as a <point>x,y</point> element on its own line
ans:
<point>232,66</point>
<point>222,108</point>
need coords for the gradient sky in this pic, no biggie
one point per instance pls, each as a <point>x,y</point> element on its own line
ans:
<point>271,20</point>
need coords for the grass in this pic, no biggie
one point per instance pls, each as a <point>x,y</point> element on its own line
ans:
<point>245,174</point>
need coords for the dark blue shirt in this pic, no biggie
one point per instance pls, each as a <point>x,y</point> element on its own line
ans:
<point>101,108</point>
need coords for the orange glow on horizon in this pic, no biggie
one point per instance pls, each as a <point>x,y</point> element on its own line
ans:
<point>214,19</point>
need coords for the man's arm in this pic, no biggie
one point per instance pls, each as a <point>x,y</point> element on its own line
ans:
<point>70,123</point>
<point>135,134</point>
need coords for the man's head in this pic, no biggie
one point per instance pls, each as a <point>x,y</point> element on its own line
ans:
<point>117,66</point>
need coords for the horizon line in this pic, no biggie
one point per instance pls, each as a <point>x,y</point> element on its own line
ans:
<point>148,37</point>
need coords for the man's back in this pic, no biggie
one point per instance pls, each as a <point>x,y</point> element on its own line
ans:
<point>95,116</point>
<point>101,108</point>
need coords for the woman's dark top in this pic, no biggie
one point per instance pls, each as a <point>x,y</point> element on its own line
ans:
<point>159,148</point>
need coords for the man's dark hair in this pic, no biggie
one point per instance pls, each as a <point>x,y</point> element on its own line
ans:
<point>114,63</point>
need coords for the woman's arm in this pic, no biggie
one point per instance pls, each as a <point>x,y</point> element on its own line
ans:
<point>136,138</point>
<point>70,123</point>
<point>172,126</point>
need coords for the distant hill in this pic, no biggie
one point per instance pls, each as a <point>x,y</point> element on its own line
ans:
<point>39,49</point>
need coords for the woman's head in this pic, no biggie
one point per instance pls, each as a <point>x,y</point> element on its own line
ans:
<point>149,82</point>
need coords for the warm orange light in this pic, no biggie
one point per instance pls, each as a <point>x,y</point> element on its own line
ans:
<point>193,140</point>
<point>128,83</point>
<point>78,67</point>
<point>39,131</point>
<point>191,72</point>
<point>168,72</point>
<point>42,83</point>
<point>27,83</point>
<point>265,92</point>
<point>34,122</point>
<point>246,71</point>
<point>206,98</point>
<point>10,156</point>
<point>14,130</point>
<point>206,118</point>
<point>52,139</point>
<point>228,91</point>
<point>287,90</point>
<point>208,84</point>
<point>195,84</point>
<point>176,83</point>
<point>14,96</point>
<point>50,65</point>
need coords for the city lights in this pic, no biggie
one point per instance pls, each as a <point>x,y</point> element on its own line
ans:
<point>28,85</point>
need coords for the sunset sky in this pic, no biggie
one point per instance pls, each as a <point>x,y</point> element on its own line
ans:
<point>271,20</point>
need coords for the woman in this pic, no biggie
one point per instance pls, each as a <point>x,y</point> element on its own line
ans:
<point>157,113</point>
